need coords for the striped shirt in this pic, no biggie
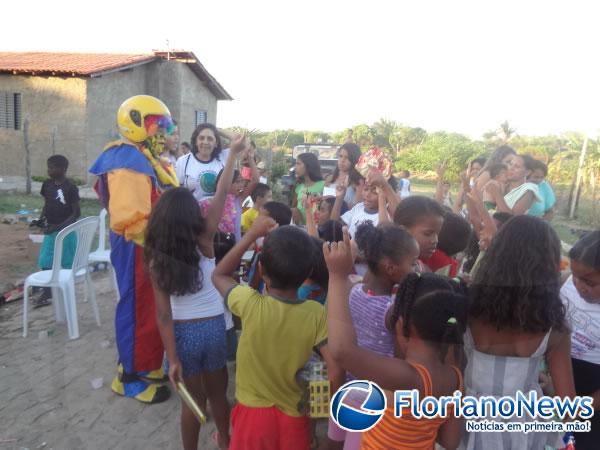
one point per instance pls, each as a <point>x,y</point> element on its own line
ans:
<point>368,316</point>
<point>407,432</point>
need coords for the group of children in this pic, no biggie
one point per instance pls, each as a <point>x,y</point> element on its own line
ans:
<point>370,287</point>
<point>368,284</point>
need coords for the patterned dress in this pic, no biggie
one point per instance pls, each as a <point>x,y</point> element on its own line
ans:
<point>498,376</point>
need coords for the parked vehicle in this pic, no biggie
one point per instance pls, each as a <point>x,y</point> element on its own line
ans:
<point>326,153</point>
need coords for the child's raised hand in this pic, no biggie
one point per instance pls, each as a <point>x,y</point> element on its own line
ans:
<point>493,189</point>
<point>238,144</point>
<point>340,190</point>
<point>306,202</point>
<point>376,178</point>
<point>338,256</point>
<point>441,169</point>
<point>262,226</point>
<point>309,201</point>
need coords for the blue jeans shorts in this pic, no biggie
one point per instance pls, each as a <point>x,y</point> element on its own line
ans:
<point>201,345</point>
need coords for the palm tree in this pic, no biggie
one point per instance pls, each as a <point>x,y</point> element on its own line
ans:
<point>505,132</point>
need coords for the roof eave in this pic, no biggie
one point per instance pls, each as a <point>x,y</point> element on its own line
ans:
<point>80,74</point>
<point>121,68</point>
<point>199,70</point>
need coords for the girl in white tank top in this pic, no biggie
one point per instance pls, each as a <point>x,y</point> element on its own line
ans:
<point>179,252</point>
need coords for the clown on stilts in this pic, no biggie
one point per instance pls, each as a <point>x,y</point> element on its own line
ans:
<point>131,177</point>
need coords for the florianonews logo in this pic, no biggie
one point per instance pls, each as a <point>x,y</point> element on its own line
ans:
<point>358,405</point>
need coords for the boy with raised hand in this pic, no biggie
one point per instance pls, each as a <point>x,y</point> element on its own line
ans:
<point>278,336</point>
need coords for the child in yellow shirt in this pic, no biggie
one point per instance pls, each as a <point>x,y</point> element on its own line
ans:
<point>260,195</point>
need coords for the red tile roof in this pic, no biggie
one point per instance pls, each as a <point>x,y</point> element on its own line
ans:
<point>74,64</point>
<point>92,64</point>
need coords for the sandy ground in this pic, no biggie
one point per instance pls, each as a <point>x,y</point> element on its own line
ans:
<point>18,255</point>
<point>46,398</point>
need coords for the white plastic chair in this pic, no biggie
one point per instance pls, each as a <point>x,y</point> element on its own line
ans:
<point>62,281</point>
<point>102,254</point>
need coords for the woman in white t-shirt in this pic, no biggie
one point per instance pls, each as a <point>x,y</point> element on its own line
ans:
<point>581,296</point>
<point>198,170</point>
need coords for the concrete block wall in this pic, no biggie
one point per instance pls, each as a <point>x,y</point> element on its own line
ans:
<point>55,109</point>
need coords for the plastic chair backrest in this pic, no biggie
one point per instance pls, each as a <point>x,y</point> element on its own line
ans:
<point>85,230</point>
<point>102,230</point>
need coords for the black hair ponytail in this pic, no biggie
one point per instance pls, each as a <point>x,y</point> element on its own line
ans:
<point>454,327</point>
<point>384,241</point>
<point>440,318</point>
<point>368,238</point>
<point>413,287</point>
<point>405,298</point>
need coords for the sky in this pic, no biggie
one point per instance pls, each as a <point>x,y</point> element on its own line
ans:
<point>461,66</point>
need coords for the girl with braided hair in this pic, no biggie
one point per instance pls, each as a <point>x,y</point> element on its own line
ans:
<point>412,287</point>
<point>426,326</point>
<point>390,253</point>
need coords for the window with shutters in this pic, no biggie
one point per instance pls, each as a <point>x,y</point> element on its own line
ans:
<point>10,110</point>
<point>201,117</point>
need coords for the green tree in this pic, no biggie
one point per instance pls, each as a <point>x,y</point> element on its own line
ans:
<point>382,130</point>
<point>363,135</point>
<point>451,149</point>
<point>403,137</point>
<point>506,131</point>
